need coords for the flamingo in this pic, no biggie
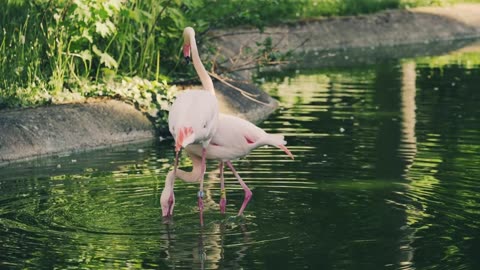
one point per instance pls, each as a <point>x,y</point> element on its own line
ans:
<point>193,116</point>
<point>234,138</point>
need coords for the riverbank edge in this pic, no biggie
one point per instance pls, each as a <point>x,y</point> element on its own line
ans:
<point>48,130</point>
<point>314,40</point>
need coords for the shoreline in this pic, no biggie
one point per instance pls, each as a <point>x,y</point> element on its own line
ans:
<point>416,27</point>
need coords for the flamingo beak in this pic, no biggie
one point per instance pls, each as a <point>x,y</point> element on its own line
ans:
<point>186,52</point>
<point>285,149</point>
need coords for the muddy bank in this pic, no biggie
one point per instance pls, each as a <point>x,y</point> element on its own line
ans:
<point>61,128</point>
<point>380,33</point>
<point>252,103</point>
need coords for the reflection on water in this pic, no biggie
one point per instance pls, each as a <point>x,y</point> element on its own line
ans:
<point>385,177</point>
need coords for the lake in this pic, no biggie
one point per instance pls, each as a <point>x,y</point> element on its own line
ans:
<point>386,176</point>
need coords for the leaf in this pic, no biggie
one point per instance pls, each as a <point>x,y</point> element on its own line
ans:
<point>87,35</point>
<point>82,10</point>
<point>111,26</point>
<point>86,55</point>
<point>102,29</point>
<point>105,58</point>
<point>116,4</point>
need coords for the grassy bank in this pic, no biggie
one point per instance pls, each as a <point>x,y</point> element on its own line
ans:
<point>67,50</point>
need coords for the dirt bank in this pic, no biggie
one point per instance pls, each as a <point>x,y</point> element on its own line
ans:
<point>54,129</point>
<point>383,29</point>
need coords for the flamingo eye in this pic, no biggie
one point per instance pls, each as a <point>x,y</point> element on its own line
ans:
<point>205,125</point>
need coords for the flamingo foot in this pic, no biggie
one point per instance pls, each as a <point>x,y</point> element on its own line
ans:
<point>248,196</point>
<point>200,206</point>
<point>223,205</point>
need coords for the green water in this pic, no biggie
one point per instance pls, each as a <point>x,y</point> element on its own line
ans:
<point>386,176</point>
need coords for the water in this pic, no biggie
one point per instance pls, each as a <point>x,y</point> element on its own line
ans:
<point>386,176</point>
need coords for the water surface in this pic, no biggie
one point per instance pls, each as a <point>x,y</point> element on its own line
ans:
<point>386,176</point>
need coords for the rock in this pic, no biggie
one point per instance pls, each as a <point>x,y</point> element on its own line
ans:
<point>55,129</point>
<point>253,104</point>
<point>315,39</point>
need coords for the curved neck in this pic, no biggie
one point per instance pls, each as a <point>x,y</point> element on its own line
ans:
<point>196,172</point>
<point>199,68</point>
<point>190,177</point>
<point>169,181</point>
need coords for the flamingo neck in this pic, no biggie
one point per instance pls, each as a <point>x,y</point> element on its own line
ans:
<point>199,68</point>
<point>169,182</point>
<point>190,177</point>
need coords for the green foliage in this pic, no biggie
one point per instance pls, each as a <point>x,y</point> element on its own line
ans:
<point>52,47</point>
<point>220,14</point>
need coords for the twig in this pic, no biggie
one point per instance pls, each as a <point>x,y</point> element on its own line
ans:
<point>243,92</point>
<point>216,76</point>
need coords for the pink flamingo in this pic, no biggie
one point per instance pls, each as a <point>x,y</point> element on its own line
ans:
<point>234,138</point>
<point>193,116</point>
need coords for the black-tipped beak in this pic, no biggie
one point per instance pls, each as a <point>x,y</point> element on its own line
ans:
<point>186,52</point>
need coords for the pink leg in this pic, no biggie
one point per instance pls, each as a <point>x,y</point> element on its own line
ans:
<point>200,192</point>
<point>223,194</point>
<point>248,193</point>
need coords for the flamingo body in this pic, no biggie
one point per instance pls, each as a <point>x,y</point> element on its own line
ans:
<point>197,112</point>
<point>236,138</point>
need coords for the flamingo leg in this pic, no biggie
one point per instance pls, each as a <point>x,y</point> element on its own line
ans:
<point>223,194</point>
<point>248,193</point>
<point>200,192</point>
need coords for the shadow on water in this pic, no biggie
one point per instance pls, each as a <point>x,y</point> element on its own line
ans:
<point>385,177</point>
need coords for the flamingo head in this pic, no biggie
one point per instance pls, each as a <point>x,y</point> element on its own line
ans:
<point>167,200</point>
<point>188,33</point>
